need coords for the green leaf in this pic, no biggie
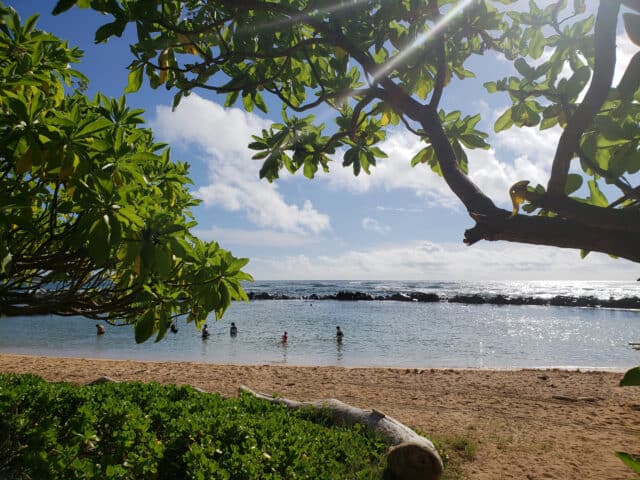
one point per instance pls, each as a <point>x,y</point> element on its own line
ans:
<point>423,156</point>
<point>536,46</point>
<point>631,378</point>
<point>309,168</point>
<point>504,122</point>
<point>145,326</point>
<point>491,87</point>
<point>247,101</point>
<point>597,197</point>
<point>99,240</point>
<point>524,69</point>
<point>63,6</point>
<point>631,461</point>
<point>93,127</point>
<point>574,182</point>
<point>134,81</point>
<point>576,83</point>
<point>109,30</point>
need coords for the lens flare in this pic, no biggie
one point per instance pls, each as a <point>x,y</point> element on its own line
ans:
<point>403,54</point>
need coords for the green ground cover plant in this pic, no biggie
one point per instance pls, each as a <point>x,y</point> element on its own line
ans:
<point>135,430</point>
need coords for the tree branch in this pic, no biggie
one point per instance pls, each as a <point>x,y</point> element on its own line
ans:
<point>605,59</point>
<point>553,231</point>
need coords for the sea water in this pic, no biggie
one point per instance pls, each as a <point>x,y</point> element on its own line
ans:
<point>377,333</point>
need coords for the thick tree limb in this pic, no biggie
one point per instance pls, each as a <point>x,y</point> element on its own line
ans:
<point>471,196</point>
<point>411,456</point>
<point>554,231</point>
<point>622,220</point>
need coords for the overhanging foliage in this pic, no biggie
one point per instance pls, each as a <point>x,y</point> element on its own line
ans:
<point>379,64</point>
<point>94,216</point>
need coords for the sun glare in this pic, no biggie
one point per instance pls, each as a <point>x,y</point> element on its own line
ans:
<point>401,55</point>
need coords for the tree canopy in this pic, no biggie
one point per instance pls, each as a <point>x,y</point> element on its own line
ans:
<point>382,64</point>
<point>94,215</point>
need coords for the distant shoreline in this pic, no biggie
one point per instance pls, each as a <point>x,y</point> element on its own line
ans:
<point>529,422</point>
<point>625,303</point>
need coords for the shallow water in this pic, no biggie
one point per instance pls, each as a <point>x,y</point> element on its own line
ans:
<point>389,333</point>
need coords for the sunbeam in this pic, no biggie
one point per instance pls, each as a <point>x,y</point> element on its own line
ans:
<point>293,19</point>
<point>446,18</point>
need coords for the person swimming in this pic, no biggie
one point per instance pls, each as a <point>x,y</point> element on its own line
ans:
<point>233,331</point>
<point>101,330</point>
<point>339,334</point>
<point>173,328</point>
<point>285,337</point>
<point>205,331</point>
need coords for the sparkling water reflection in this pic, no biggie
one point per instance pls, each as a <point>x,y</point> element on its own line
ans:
<point>394,334</point>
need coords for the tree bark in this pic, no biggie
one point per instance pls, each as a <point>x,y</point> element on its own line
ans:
<point>556,232</point>
<point>410,457</point>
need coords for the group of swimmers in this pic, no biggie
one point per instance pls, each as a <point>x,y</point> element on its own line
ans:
<point>233,331</point>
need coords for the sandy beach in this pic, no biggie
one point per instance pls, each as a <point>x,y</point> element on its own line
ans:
<point>527,424</point>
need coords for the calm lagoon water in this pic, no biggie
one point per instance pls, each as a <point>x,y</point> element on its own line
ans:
<point>393,334</point>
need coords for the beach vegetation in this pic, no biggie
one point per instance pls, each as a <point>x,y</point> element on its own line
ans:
<point>137,430</point>
<point>456,451</point>
<point>95,216</point>
<point>630,379</point>
<point>346,73</point>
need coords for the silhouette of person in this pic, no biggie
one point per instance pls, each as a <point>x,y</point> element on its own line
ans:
<point>101,330</point>
<point>233,331</point>
<point>173,328</point>
<point>205,331</point>
<point>285,337</point>
<point>339,334</point>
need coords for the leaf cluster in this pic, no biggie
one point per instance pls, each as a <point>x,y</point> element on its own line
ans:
<point>133,430</point>
<point>95,217</point>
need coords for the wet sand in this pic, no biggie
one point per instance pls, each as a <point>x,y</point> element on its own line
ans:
<point>520,429</point>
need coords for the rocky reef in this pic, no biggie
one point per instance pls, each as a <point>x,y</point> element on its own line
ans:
<point>472,299</point>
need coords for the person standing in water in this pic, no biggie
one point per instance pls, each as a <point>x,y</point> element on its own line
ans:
<point>233,331</point>
<point>100,328</point>
<point>339,334</point>
<point>284,338</point>
<point>205,331</point>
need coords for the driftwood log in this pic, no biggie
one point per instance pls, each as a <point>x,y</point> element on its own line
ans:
<point>410,457</point>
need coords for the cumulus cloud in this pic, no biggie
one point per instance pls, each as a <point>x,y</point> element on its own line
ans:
<point>446,261</point>
<point>374,225</point>
<point>233,184</point>
<point>519,154</point>
<point>395,173</point>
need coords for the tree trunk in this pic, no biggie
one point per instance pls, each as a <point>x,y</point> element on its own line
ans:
<point>410,457</point>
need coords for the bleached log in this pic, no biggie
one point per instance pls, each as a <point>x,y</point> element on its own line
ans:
<point>410,457</point>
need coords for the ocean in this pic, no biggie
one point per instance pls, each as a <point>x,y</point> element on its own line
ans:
<point>377,333</point>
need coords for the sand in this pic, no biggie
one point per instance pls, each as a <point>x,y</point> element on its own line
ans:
<point>520,429</point>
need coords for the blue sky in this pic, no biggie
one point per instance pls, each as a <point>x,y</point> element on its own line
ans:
<point>398,223</point>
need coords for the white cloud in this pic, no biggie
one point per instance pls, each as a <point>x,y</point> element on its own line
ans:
<point>254,238</point>
<point>624,51</point>
<point>374,225</point>
<point>382,208</point>
<point>223,135</point>
<point>446,261</point>
<point>517,154</point>
<point>395,173</point>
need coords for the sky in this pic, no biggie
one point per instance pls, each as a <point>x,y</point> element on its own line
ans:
<point>399,223</point>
